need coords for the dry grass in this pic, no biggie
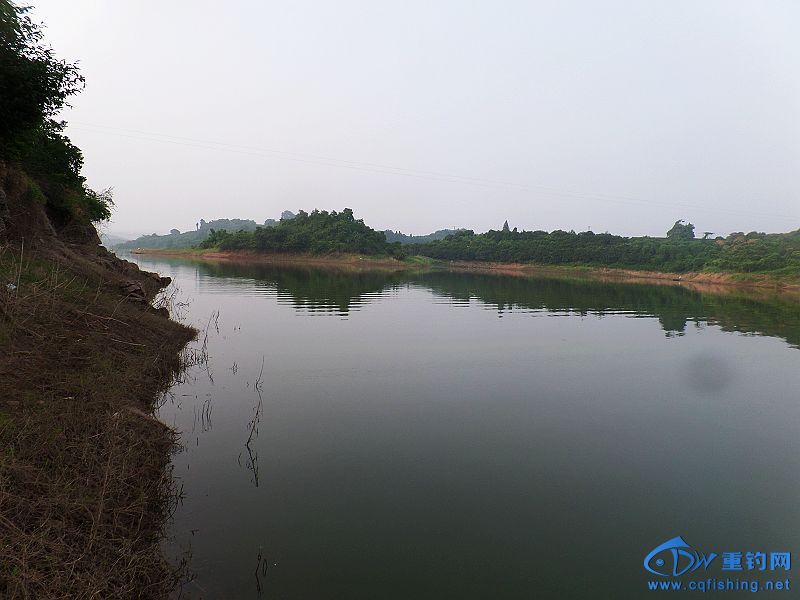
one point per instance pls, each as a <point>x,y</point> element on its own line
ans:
<point>85,486</point>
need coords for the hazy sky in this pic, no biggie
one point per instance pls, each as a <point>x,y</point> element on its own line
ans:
<point>619,116</point>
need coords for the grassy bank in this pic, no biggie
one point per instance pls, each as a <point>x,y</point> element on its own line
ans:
<point>85,486</point>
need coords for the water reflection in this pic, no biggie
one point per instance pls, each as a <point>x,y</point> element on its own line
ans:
<point>407,443</point>
<point>316,291</point>
<point>674,306</point>
<point>310,291</point>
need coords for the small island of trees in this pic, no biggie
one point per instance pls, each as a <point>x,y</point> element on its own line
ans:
<point>323,232</point>
<point>317,232</point>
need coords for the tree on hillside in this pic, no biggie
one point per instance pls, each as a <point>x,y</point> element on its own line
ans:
<point>681,231</point>
<point>34,87</point>
<point>505,226</point>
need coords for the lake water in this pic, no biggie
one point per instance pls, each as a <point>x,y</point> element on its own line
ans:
<point>448,435</point>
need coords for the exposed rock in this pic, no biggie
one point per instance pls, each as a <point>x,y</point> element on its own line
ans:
<point>133,290</point>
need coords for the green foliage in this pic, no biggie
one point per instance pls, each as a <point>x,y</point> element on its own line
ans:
<point>738,253</point>
<point>98,204</point>
<point>561,247</point>
<point>48,154</point>
<point>34,86</point>
<point>321,232</point>
<point>681,231</point>
<point>759,253</point>
<point>35,193</point>
<point>227,240</point>
<point>54,165</point>
<point>318,232</point>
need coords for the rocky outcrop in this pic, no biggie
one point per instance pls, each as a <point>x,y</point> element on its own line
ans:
<point>133,291</point>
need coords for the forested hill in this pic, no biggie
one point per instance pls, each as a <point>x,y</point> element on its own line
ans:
<point>193,237</point>
<point>177,239</point>
<point>318,232</point>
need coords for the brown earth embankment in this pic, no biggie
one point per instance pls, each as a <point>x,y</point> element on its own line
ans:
<point>85,483</point>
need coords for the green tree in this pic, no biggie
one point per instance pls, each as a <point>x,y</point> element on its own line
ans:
<point>98,204</point>
<point>681,231</point>
<point>34,87</point>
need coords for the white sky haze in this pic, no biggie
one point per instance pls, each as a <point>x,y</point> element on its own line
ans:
<point>619,116</point>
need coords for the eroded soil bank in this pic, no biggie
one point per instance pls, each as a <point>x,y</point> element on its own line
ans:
<point>85,485</point>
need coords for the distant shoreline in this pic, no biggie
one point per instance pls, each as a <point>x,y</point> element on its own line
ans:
<point>354,261</point>
<point>384,263</point>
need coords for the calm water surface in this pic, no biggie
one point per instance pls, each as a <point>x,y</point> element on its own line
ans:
<point>466,436</point>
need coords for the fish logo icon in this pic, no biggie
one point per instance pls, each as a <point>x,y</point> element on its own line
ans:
<point>675,557</point>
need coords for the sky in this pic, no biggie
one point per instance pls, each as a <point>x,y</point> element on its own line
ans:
<point>619,116</point>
